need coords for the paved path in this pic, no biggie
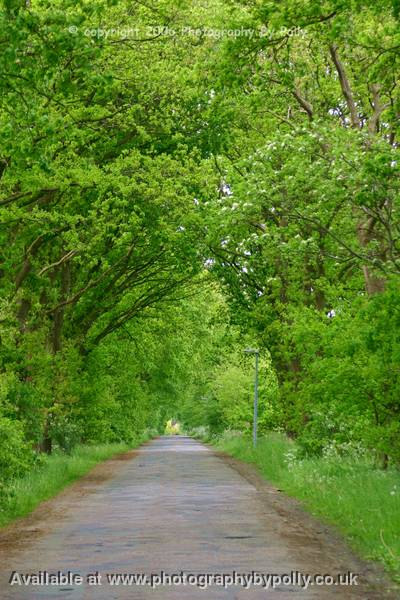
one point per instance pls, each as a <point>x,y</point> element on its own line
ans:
<point>172,507</point>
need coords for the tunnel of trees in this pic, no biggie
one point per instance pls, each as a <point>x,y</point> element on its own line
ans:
<point>180,179</point>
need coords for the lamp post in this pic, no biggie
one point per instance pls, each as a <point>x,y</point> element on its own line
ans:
<point>255,412</point>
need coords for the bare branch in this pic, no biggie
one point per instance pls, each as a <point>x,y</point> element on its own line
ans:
<point>303,103</point>
<point>346,89</point>
<point>63,259</point>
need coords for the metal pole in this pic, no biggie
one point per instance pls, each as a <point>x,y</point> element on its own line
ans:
<point>255,403</point>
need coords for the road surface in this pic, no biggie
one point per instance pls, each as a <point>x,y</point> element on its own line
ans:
<point>171,510</point>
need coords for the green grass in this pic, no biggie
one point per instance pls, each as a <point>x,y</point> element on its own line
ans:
<point>362,501</point>
<point>57,471</point>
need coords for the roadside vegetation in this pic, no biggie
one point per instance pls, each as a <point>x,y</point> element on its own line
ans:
<point>51,474</point>
<point>343,486</point>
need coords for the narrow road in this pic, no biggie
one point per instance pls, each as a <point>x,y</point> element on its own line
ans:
<point>172,507</point>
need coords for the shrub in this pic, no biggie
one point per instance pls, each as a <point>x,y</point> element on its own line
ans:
<point>15,455</point>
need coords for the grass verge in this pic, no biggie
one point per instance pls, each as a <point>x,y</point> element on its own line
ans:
<point>57,471</point>
<point>362,501</point>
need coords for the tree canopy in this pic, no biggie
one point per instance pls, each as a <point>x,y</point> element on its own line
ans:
<point>178,179</point>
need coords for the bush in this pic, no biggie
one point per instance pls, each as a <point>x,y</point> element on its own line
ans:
<point>15,455</point>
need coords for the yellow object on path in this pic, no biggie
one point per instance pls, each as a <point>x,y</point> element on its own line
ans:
<point>172,427</point>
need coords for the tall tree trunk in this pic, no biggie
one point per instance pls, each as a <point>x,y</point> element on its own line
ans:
<point>365,229</point>
<point>56,345</point>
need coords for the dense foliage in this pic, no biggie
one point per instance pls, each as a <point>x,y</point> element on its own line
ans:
<point>102,156</point>
<point>305,235</point>
<point>173,189</point>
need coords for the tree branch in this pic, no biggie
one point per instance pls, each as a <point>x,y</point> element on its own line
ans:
<point>62,260</point>
<point>346,89</point>
<point>303,103</point>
